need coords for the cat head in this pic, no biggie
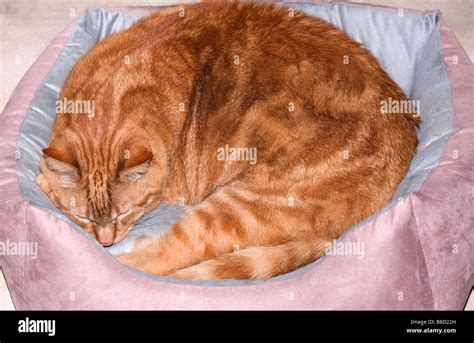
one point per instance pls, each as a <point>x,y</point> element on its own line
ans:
<point>103,193</point>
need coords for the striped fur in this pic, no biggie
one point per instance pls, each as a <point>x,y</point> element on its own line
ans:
<point>173,91</point>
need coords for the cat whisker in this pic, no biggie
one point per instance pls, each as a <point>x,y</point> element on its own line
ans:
<point>144,220</point>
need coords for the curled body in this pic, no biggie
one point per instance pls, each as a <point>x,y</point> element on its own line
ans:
<point>266,124</point>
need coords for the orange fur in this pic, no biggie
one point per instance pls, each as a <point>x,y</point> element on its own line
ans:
<point>228,75</point>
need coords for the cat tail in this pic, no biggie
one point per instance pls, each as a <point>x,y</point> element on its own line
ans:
<point>257,262</point>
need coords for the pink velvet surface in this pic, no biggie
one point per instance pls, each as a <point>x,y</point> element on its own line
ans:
<point>417,255</point>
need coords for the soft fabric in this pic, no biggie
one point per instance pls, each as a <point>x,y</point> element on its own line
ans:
<point>417,254</point>
<point>398,43</point>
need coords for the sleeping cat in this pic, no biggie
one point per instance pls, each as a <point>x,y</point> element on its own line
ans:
<point>264,122</point>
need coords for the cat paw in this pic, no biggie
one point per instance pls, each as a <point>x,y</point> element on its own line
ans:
<point>43,184</point>
<point>184,274</point>
<point>201,271</point>
<point>141,242</point>
<point>124,259</point>
<point>46,188</point>
<point>136,260</point>
<point>147,260</point>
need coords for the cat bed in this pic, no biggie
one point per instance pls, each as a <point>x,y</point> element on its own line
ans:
<point>414,254</point>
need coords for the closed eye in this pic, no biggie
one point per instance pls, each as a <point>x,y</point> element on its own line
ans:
<point>85,219</point>
<point>120,215</point>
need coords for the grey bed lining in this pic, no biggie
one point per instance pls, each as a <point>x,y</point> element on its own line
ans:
<point>408,49</point>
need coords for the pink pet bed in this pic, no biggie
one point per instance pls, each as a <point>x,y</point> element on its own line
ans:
<point>415,254</point>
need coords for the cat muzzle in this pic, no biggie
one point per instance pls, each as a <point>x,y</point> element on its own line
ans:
<point>105,236</point>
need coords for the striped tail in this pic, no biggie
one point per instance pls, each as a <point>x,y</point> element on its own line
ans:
<point>256,262</point>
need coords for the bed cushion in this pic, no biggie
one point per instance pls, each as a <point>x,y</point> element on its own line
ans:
<point>397,42</point>
<point>413,252</point>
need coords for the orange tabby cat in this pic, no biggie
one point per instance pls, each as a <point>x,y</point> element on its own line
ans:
<point>266,124</point>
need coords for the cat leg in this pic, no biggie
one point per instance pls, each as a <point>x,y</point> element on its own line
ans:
<point>224,222</point>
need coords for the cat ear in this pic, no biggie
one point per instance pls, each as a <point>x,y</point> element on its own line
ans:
<point>61,161</point>
<point>135,164</point>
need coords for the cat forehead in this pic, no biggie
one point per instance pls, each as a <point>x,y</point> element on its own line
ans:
<point>98,194</point>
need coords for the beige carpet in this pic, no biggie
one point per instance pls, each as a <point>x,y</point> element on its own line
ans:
<point>27,27</point>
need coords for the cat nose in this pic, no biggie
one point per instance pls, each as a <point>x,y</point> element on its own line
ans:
<point>106,244</point>
<point>105,235</point>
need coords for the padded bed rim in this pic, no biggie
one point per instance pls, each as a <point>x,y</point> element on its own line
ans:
<point>459,76</point>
